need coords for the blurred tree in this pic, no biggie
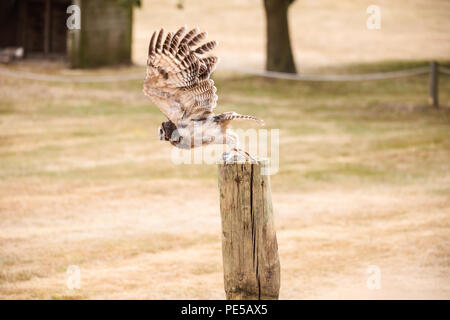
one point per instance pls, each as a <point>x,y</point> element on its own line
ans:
<point>126,3</point>
<point>279,53</point>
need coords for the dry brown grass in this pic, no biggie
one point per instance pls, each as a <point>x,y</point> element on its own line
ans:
<point>85,182</point>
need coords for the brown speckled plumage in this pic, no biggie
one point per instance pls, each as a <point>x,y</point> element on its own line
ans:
<point>178,82</point>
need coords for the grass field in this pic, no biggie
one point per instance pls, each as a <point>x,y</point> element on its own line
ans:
<point>364,180</point>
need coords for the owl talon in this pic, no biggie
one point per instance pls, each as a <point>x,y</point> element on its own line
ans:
<point>227,157</point>
<point>250,158</point>
<point>239,156</point>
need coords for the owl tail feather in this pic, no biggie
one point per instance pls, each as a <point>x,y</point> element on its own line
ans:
<point>227,116</point>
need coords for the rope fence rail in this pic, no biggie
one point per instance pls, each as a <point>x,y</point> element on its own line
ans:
<point>61,78</point>
<point>434,69</point>
<point>444,70</point>
<point>336,77</point>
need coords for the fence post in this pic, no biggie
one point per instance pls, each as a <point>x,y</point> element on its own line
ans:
<point>249,245</point>
<point>434,84</point>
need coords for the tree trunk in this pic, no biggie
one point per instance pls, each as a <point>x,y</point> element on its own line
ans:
<point>279,53</point>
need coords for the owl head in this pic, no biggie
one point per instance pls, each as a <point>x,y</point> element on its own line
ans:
<point>165,130</point>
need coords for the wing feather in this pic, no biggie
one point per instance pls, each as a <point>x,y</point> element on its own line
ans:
<point>177,78</point>
<point>176,40</point>
<point>151,46</point>
<point>159,40</point>
<point>206,47</point>
<point>196,40</point>
<point>189,36</point>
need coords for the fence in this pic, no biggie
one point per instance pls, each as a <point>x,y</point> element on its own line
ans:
<point>433,70</point>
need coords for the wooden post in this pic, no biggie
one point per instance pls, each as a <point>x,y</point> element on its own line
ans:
<point>434,84</point>
<point>249,244</point>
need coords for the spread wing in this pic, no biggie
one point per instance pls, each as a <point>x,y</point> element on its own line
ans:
<point>177,78</point>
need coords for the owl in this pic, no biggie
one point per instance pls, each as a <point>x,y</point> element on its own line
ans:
<point>178,82</point>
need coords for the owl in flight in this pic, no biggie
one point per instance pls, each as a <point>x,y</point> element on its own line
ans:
<point>178,82</point>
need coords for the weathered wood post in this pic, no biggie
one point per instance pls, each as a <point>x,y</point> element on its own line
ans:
<point>249,244</point>
<point>434,84</point>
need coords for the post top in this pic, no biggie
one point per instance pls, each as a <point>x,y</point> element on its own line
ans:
<point>234,161</point>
